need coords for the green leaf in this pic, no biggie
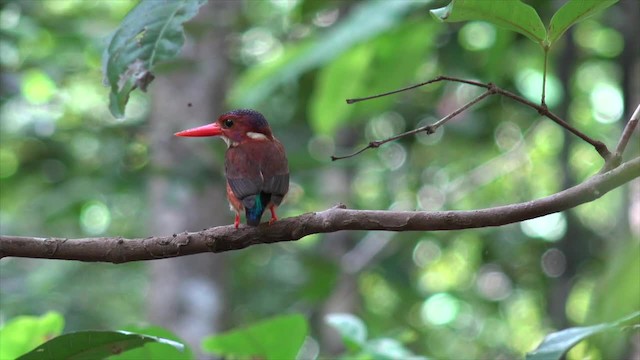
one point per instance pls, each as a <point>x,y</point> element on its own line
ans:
<point>151,33</point>
<point>153,350</point>
<point>23,333</point>
<point>336,82</point>
<point>273,339</point>
<point>370,68</point>
<point>93,345</point>
<point>351,328</point>
<point>557,344</point>
<point>509,14</point>
<point>572,12</point>
<point>365,21</point>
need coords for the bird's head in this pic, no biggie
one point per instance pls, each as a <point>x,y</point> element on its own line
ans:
<point>234,127</point>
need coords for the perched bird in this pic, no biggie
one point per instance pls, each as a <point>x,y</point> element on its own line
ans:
<point>255,163</point>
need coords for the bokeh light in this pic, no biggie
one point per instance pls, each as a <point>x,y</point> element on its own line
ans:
<point>550,227</point>
<point>37,87</point>
<point>95,217</point>
<point>492,283</point>
<point>553,262</point>
<point>8,163</point>
<point>440,309</point>
<point>477,35</point>
<point>607,103</point>
<point>529,83</point>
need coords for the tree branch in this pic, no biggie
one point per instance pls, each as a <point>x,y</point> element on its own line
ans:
<point>226,238</point>
<point>542,109</point>
<point>429,129</point>
<point>628,130</point>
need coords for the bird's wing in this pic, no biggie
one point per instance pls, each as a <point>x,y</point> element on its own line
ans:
<point>244,187</point>
<point>243,173</point>
<point>277,186</point>
<point>276,175</point>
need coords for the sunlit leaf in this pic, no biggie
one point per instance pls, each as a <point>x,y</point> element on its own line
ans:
<point>336,82</point>
<point>152,32</point>
<point>351,328</point>
<point>93,345</point>
<point>276,338</point>
<point>574,11</point>
<point>558,343</point>
<point>513,15</point>
<point>367,70</point>
<point>154,350</point>
<point>365,21</point>
<point>23,333</point>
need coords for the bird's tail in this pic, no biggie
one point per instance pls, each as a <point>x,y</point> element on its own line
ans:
<point>254,214</point>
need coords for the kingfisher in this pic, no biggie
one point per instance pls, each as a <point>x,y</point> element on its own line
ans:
<point>255,163</point>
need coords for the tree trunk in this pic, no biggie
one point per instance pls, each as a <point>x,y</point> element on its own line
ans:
<point>187,294</point>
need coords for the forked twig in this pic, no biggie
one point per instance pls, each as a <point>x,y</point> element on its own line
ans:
<point>616,159</point>
<point>542,109</point>
<point>429,129</point>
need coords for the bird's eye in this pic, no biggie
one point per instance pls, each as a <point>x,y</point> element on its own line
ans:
<point>228,123</point>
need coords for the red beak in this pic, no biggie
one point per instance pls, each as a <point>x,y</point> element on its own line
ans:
<point>206,130</point>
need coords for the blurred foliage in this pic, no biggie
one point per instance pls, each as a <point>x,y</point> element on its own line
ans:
<point>69,169</point>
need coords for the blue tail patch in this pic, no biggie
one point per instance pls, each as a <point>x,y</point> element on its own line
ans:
<point>254,214</point>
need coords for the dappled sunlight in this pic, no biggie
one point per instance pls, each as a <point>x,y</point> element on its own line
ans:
<point>529,83</point>
<point>477,35</point>
<point>549,227</point>
<point>95,217</point>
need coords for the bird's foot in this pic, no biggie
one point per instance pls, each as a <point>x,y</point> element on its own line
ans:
<point>274,217</point>
<point>236,223</point>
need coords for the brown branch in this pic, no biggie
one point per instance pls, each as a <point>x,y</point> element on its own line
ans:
<point>226,238</point>
<point>429,129</point>
<point>542,109</point>
<point>628,130</point>
<point>616,158</point>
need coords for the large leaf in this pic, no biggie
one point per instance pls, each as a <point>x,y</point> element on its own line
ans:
<point>153,350</point>
<point>151,33</point>
<point>368,69</point>
<point>572,12</point>
<point>617,293</point>
<point>337,81</point>
<point>273,339</point>
<point>21,334</point>
<point>93,345</point>
<point>557,344</point>
<point>365,21</point>
<point>510,14</point>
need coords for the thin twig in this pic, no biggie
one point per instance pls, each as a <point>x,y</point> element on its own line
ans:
<point>616,159</point>
<point>628,130</point>
<point>544,77</point>
<point>439,78</point>
<point>429,129</point>
<point>600,147</point>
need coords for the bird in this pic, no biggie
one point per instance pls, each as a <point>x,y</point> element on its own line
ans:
<point>255,163</point>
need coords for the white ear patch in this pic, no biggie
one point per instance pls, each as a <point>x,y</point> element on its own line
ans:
<point>229,142</point>
<point>256,136</point>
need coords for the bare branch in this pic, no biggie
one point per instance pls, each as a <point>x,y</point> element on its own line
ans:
<point>429,129</point>
<point>628,130</point>
<point>542,109</point>
<point>226,238</point>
